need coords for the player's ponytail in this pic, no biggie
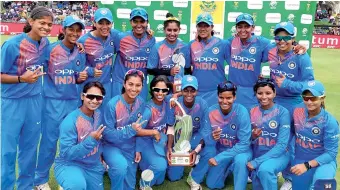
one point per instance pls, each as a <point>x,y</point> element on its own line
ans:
<point>169,19</point>
<point>37,13</point>
<point>323,105</point>
<point>61,35</point>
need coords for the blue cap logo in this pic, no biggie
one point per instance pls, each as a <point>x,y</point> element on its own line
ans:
<point>206,18</point>
<point>287,26</point>
<point>245,17</point>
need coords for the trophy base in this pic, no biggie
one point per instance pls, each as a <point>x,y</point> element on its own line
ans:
<point>180,159</point>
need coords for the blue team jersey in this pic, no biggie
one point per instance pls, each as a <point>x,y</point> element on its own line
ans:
<point>245,60</point>
<point>75,143</point>
<point>99,54</point>
<point>118,117</point>
<point>317,137</point>
<point>197,112</point>
<point>297,69</point>
<point>62,72</point>
<point>207,59</point>
<point>161,55</point>
<point>275,125</point>
<point>19,54</point>
<point>132,53</point>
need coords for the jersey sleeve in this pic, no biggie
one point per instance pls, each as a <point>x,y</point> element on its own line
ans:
<point>243,135</point>
<point>282,142</point>
<point>111,134</point>
<point>119,37</point>
<point>9,54</point>
<point>187,56</point>
<point>331,140</point>
<point>227,50</point>
<point>206,131</point>
<point>69,149</point>
<point>306,73</point>
<point>153,58</point>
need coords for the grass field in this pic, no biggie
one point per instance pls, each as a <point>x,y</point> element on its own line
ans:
<point>327,69</point>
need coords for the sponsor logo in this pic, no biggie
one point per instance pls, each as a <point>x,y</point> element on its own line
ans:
<point>180,13</point>
<point>124,26</point>
<point>258,30</point>
<point>208,6</point>
<point>160,28</point>
<point>292,5</point>
<point>180,3</point>
<point>304,31</point>
<point>38,122</point>
<point>103,11</point>
<point>227,136</point>
<point>291,17</point>
<point>266,133</point>
<point>136,58</point>
<point>184,29</point>
<point>123,13</point>
<point>265,71</point>
<point>292,65</point>
<point>304,138</point>
<point>215,50</point>
<point>159,14</point>
<point>243,59</point>
<point>82,137</point>
<point>308,6</point>
<point>311,83</point>
<point>272,124</point>
<point>232,16</point>
<point>65,71</point>
<point>273,4</point>
<point>255,4</point>
<point>4,28</point>
<point>28,60</point>
<point>111,43</point>
<point>124,3</point>
<point>197,119</point>
<point>147,50</point>
<point>143,2</point>
<point>305,43</point>
<point>233,127</point>
<point>306,19</point>
<point>206,59</point>
<point>139,114</point>
<point>275,71</point>
<point>235,5</point>
<point>94,52</point>
<point>233,30</point>
<point>252,50</point>
<point>273,17</point>
<point>33,67</point>
<point>78,62</point>
<point>254,16</point>
<point>107,56</point>
<point>316,131</point>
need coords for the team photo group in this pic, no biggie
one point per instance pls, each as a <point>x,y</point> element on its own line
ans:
<point>143,111</point>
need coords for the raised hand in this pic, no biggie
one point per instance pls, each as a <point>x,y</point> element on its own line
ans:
<point>255,133</point>
<point>212,162</point>
<point>299,49</point>
<point>156,135</point>
<point>137,126</point>
<point>279,79</point>
<point>250,167</point>
<point>97,72</point>
<point>31,76</point>
<point>138,157</point>
<point>83,75</point>
<point>97,134</point>
<point>216,133</point>
<point>174,70</point>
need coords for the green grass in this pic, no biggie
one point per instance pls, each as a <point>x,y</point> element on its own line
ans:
<point>327,69</point>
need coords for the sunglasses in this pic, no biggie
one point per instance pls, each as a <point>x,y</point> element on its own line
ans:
<point>284,38</point>
<point>311,98</point>
<point>265,81</point>
<point>134,71</point>
<point>228,86</point>
<point>94,96</point>
<point>164,90</point>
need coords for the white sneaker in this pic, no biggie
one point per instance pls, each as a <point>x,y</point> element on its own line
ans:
<point>44,186</point>
<point>193,185</point>
<point>249,180</point>
<point>287,185</point>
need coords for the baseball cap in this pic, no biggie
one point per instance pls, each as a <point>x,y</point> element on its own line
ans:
<point>287,26</point>
<point>72,19</point>
<point>315,87</point>
<point>139,12</point>
<point>245,17</point>
<point>206,18</point>
<point>103,13</point>
<point>189,80</point>
<point>160,146</point>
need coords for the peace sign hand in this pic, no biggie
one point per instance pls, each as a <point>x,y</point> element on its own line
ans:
<point>97,134</point>
<point>32,76</point>
<point>137,126</point>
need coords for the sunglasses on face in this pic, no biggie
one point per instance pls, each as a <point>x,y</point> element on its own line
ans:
<point>164,90</point>
<point>265,81</point>
<point>134,71</point>
<point>311,98</point>
<point>94,96</point>
<point>284,38</point>
<point>227,86</point>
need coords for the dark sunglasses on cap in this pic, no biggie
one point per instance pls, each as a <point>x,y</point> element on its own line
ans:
<point>228,86</point>
<point>94,96</point>
<point>265,81</point>
<point>311,98</point>
<point>284,38</point>
<point>134,71</point>
<point>164,90</point>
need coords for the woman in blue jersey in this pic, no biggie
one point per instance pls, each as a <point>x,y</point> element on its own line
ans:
<point>196,107</point>
<point>152,140</point>
<point>208,54</point>
<point>270,136</point>
<point>66,69</point>
<point>317,138</point>
<point>226,133</point>
<point>22,57</point>
<point>171,56</point>
<point>99,48</point>
<point>133,49</point>
<point>78,165</point>
<point>122,117</point>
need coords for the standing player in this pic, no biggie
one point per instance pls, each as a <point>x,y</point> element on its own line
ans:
<point>22,57</point>
<point>121,114</point>
<point>133,49</point>
<point>317,138</point>
<point>158,115</point>
<point>78,165</point>
<point>99,48</point>
<point>194,106</point>
<point>66,69</point>
<point>208,54</point>
<point>270,136</point>
<point>165,55</point>
<point>226,134</point>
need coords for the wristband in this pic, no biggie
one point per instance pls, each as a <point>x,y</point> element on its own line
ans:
<point>198,148</point>
<point>19,79</point>
<point>308,167</point>
<point>170,131</point>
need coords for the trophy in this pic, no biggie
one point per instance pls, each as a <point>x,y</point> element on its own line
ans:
<point>183,133</point>
<point>147,176</point>
<point>179,61</point>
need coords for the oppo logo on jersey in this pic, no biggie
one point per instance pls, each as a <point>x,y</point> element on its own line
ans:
<point>136,58</point>
<point>307,142</point>
<point>277,72</point>
<point>169,66</point>
<point>206,59</point>
<point>33,67</point>
<point>242,63</point>
<point>243,59</point>
<point>227,136</point>
<point>105,57</point>
<point>160,128</point>
<point>266,133</point>
<point>136,62</point>
<point>267,139</point>
<point>65,72</point>
<point>68,79</point>
<point>123,127</point>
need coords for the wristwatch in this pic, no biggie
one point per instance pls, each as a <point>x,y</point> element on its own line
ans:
<point>308,167</point>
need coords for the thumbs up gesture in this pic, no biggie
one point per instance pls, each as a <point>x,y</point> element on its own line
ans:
<point>279,80</point>
<point>82,75</point>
